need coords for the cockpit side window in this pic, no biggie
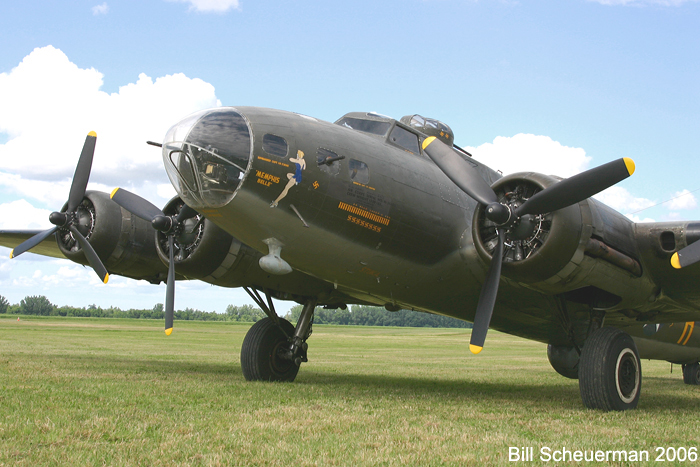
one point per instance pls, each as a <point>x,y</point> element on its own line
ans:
<point>405,139</point>
<point>374,127</point>
<point>275,145</point>
<point>359,172</point>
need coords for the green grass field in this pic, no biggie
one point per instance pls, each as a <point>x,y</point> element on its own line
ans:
<point>80,391</point>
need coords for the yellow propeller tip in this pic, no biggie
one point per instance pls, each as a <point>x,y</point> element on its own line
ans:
<point>12,254</point>
<point>168,331</point>
<point>629,163</point>
<point>675,261</point>
<point>475,349</point>
<point>92,133</point>
<point>427,142</point>
<point>114,192</point>
<point>106,278</point>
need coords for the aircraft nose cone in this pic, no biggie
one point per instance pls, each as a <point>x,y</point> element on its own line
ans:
<point>207,155</point>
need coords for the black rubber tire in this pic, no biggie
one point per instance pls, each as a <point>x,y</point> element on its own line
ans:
<point>564,360</point>
<point>610,372</point>
<point>259,359</point>
<point>691,373</point>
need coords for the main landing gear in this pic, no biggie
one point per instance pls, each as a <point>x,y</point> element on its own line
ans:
<point>691,373</point>
<point>610,373</point>
<point>273,349</point>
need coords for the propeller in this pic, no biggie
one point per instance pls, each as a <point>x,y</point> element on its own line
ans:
<point>68,220</point>
<point>517,221</point>
<point>170,226</point>
<point>686,256</point>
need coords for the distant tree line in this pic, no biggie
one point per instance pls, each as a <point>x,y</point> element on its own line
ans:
<point>359,315</point>
<point>40,305</point>
<point>356,315</point>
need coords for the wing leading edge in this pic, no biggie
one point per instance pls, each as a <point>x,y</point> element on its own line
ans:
<point>13,238</point>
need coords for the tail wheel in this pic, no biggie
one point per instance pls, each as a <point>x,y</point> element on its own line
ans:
<point>610,373</point>
<point>691,373</point>
<point>564,360</point>
<point>261,358</point>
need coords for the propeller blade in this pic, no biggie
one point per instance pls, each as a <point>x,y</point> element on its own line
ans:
<point>461,172</point>
<point>686,256</point>
<point>82,172</point>
<point>67,219</point>
<point>147,211</point>
<point>32,242</point>
<point>135,204</point>
<point>577,188</point>
<point>185,213</point>
<point>91,255</point>
<point>487,299</point>
<point>170,291</point>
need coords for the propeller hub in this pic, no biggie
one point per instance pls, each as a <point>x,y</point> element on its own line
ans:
<point>498,213</point>
<point>162,223</point>
<point>59,219</point>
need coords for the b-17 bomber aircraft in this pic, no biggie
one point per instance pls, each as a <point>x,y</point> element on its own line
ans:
<point>370,210</point>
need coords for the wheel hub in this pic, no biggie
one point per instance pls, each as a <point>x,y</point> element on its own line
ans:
<point>627,378</point>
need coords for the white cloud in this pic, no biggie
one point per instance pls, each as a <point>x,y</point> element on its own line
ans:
<point>637,219</point>
<point>22,215</point>
<point>682,200</point>
<point>68,275</point>
<point>165,191</point>
<point>51,193</point>
<point>535,153</point>
<point>206,6</point>
<point>531,153</point>
<point>622,200</point>
<point>100,9</point>
<point>48,105</point>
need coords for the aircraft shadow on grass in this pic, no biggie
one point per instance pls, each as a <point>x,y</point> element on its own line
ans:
<point>357,385</point>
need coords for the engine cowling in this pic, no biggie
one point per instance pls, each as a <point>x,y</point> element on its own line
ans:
<point>584,251</point>
<point>550,247</point>
<point>203,250</point>
<point>124,242</point>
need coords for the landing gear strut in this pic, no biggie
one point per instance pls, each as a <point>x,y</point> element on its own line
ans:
<point>273,349</point>
<point>610,373</point>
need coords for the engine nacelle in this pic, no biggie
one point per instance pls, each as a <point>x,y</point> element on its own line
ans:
<point>130,246</point>
<point>124,242</point>
<point>585,251</point>
<point>204,251</point>
<point>553,243</point>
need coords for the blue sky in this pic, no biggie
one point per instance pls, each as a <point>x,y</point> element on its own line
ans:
<point>551,86</point>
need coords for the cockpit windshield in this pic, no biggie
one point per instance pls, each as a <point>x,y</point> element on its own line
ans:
<point>206,156</point>
<point>374,127</point>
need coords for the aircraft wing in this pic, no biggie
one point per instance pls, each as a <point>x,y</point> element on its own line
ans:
<point>49,247</point>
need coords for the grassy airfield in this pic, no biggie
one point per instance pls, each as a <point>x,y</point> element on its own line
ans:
<point>81,391</point>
